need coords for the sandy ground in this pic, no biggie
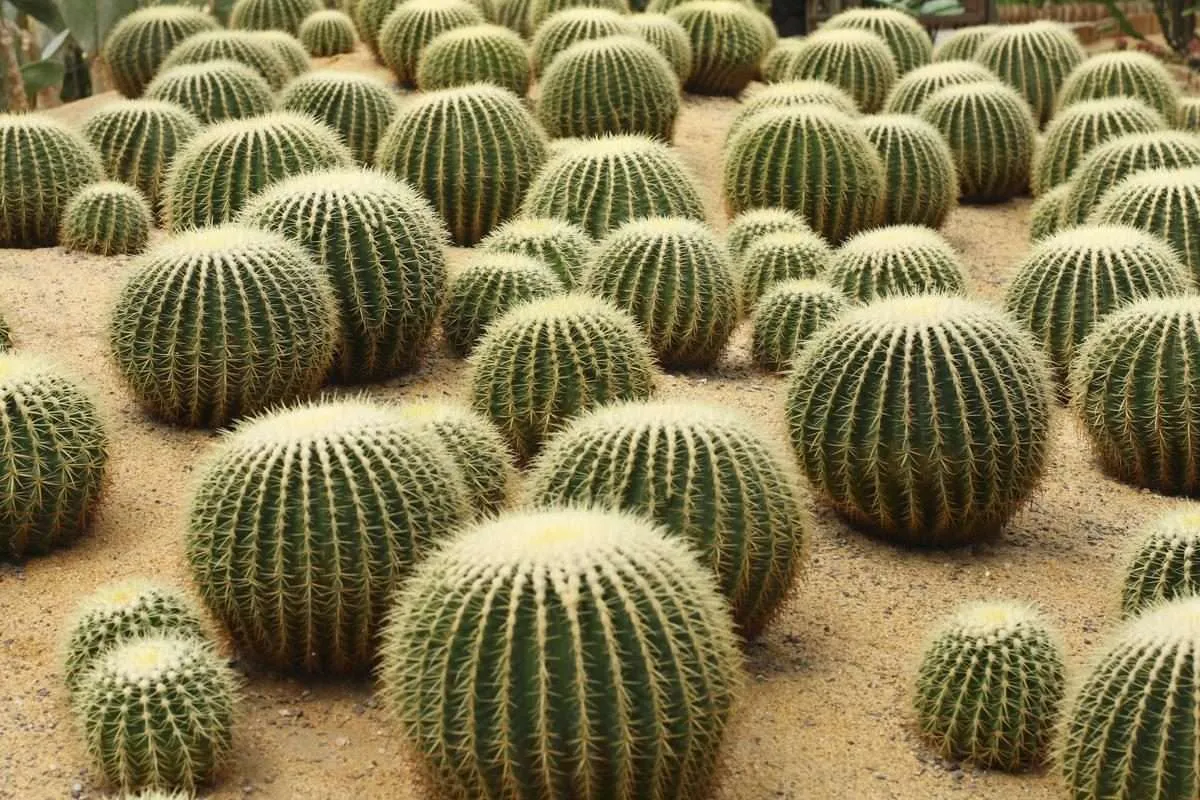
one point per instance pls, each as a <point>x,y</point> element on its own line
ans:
<point>826,714</point>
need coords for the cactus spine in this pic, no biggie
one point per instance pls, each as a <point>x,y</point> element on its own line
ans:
<point>921,178</point>
<point>360,108</point>
<point>781,256</point>
<point>1123,74</point>
<point>141,41</point>
<point>728,42</point>
<point>290,51</point>
<point>1165,203</point>
<point>779,62</point>
<point>964,43</point>
<point>1078,129</point>
<point>908,42</point>
<point>856,61</point>
<point>486,289</point>
<point>916,87</point>
<point>542,10</point>
<point>748,227</point>
<point>562,246</point>
<point>790,94</point>
<point>1035,59</point>
<point>1045,215</point>
<point>241,46</point>
<point>896,260</point>
<point>327,33</point>
<point>669,38</point>
<point>1189,114</point>
<point>214,91</point>
<point>413,25</point>
<point>786,318</point>
<point>1163,566</point>
<point>266,15</point>
<point>107,218</point>
<point>1110,163</point>
<point>572,26</point>
<point>475,54</point>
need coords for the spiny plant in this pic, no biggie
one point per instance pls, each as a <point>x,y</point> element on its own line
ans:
<point>1162,566</point>
<point>489,287</point>
<point>1163,202</point>
<point>789,94</point>
<point>214,91</point>
<point>43,164</point>
<point>964,43</point>
<point>221,322</point>
<point>347,493</point>
<point>1035,59</point>
<point>856,61</point>
<point>784,156</point>
<point>608,180</point>
<point>475,54</point>
<point>748,227</point>
<point>669,38</point>
<point>618,84</point>
<point>328,33</point>
<point>482,135</point>
<point>141,41</point>
<point>921,177</point>
<point>241,46</point>
<point>542,10</point>
<point>1126,73</point>
<point>1045,215</point>
<point>157,712</point>
<point>382,247</point>
<point>562,246</point>
<point>218,171</point>
<point>780,60</point>
<point>288,48</point>
<point>413,25</point>
<point>512,14</point>
<point>1189,114</point>
<point>896,260</point>
<point>778,257</point>
<point>55,451</point>
<point>1081,128</point>
<point>787,316</point>
<point>669,641</point>
<point>728,42</point>
<point>575,25</point>
<point>673,277</point>
<point>990,686</point>
<point>909,43</point>
<point>358,107</point>
<point>952,475</point>
<point>913,89</point>
<point>107,218</point>
<point>265,15</point>
<point>5,336</point>
<point>991,134</point>
<point>548,360</point>
<point>369,16</point>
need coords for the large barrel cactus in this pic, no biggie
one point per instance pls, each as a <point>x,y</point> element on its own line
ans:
<point>781,256</point>
<point>916,87</point>
<point>107,218</point>
<point>669,38</point>
<point>963,43</point>
<point>856,61</point>
<point>1035,59</point>
<point>137,45</point>
<point>1165,203</point>
<point>791,93</point>
<point>910,45</point>
<point>214,90</point>
<point>1164,563</point>
<point>327,33</point>
<point>358,107</point>
<point>562,246</point>
<point>575,25</point>
<point>485,289</point>
<point>266,15</point>
<point>475,54</point>
<point>896,260</point>
<point>413,25</point>
<point>1126,73</point>
<point>922,182</point>
<point>241,46</point>
<point>786,318</point>
<point>728,42</point>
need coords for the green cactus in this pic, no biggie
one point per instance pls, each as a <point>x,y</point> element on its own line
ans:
<point>990,686</point>
<point>1162,566</point>
<point>1080,128</point>
<point>908,42</point>
<point>952,474</point>
<point>214,91</point>
<point>784,156</point>
<point>369,16</point>
<point>542,10</point>
<point>964,43</point>
<point>289,49</point>
<point>921,177</point>
<point>779,62</point>
<point>180,332</point>
<point>790,94</point>
<point>1189,114</point>
<point>778,257</point>
<point>576,25</point>
<point>5,336</point>
<point>487,288</point>
<point>896,260</point>
<point>328,33</point>
<point>359,107</point>
<point>748,227</point>
<point>141,41</point>
<point>266,15</point>
<point>55,455</point>
<point>548,360</point>
<point>856,61</point>
<point>609,180</point>
<point>349,494</point>
<point>241,46</point>
<point>787,316</point>
<point>1046,212</point>
<point>991,134</point>
<point>107,218</point>
<point>413,25</point>
<point>43,164</point>
<point>669,38</point>
<point>913,89</point>
<point>728,42</point>
<point>562,246</point>
<point>1115,160</point>
<point>475,54</point>
<point>1035,59</point>
<point>1126,73</point>
<point>1163,202</point>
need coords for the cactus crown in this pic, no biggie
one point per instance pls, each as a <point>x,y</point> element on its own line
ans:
<point>475,54</point>
<point>792,93</point>
<point>574,25</point>
<point>909,43</point>
<point>358,107</point>
<point>214,90</point>
<point>139,43</point>
<point>1034,58</point>
<point>963,44</point>
<point>1164,202</point>
<point>107,218</point>
<point>1127,73</point>
<point>857,61</point>
<point>728,41</point>
<point>1163,565</point>
<point>896,259</point>
<point>240,46</point>
<point>266,15</point>
<point>540,11</point>
<point>919,85</point>
<point>562,246</point>
<point>667,37</point>
<point>750,226</point>
<point>328,33</point>
<point>1110,163</point>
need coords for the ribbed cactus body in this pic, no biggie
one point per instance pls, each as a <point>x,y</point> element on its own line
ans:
<point>107,218</point>
<point>608,180</point>
<point>55,454</point>
<point>618,84</point>
<point>1080,128</point>
<point>908,42</point>
<point>916,87</point>
<point>922,182</point>
<point>179,331</point>
<point>266,15</point>
<point>669,642</point>
<point>1189,114</point>
<point>777,65</point>
<point>576,25</point>
<point>5,336</point>
<point>1045,215</point>
<point>328,33</point>
<point>778,257</point>
<point>562,246</point>
<point>413,25</point>
<point>141,41</point>
<point>748,227</point>
<point>784,157</point>
<point>1112,162</point>
<point>856,61</point>
<point>214,91</point>
<point>728,42</point>
<point>369,16</point>
<point>1165,203</point>
<point>488,288</point>
<point>548,360</point>
<point>241,46</point>
<point>1035,59</point>
<point>896,260</point>
<point>475,54</point>
<point>991,134</point>
<point>964,43</point>
<point>669,38</point>
<point>790,94</point>
<point>990,686</point>
<point>306,519</point>
<point>1127,73</point>
<point>289,49</point>
<point>1163,566</point>
<point>542,10</point>
<point>787,316</point>
<point>928,444</point>
<point>358,107</point>
<point>514,15</point>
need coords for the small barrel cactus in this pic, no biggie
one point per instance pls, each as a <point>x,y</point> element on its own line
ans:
<point>107,218</point>
<point>475,54</point>
<point>288,48</point>
<point>911,479</point>
<point>728,42</point>
<point>788,94</point>
<point>991,134</point>
<point>413,25</point>
<point>669,38</point>
<point>214,91</point>
<point>1163,202</point>
<point>910,45</point>
<point>369,16</point>
<point>963,43</point>
<point>486,289</point>
<point>576,25</point>
<point>140,42</point>
<point>1035,59</point>
<point>548,360</point>
<point>1189,114</point>
<point>241,46</point>
<point>896,260</point>
<point>1045,215</point>
<point>358,107</point>
<point>786,318</point>
<point>540,11</point>
<point>55,455</point>
<point>748,227</point>
<point>1163,565</point>
<point>779,62</point>
<point>5,336</point>
<point>566,567</point>
<point>1125,73</point>
<point>921,177</point>
<point>179,331</point>
<point>328,33</point>
<point>990,686</point>
<point>562,246</point>
<point>266,15</point>
<point>43,164</point>
<point>778,257</point>
<point>916,87</point>
<point>856,61</point>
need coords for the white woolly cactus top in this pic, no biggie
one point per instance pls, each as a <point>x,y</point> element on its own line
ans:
<point>217,65</point>
<point>1173,623</point>
<point>896,238</point>
<point>1111,239</point>
<point>221,242</point>
<point>811,286</point>
<point>847,37</point>
<point>599,148</point>
<point>111,189</point>
<point>1181,525</point>
<point>314,421</point>
<point>1102,106</point>
<point>960,70</point>
<point>335,77</point>
<point>565,308</point>
<point>19,371</point>
<point>340,180</point>
<point>993,621</point>
<point>153,657</point>
<point>1159,178</point>
<point>921,312</point>
<point>534,229</point>
<point>121,595</point>
<point>472,94</point>
<point>268,126</point>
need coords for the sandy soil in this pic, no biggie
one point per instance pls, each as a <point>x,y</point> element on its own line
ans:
<point>826,714</point>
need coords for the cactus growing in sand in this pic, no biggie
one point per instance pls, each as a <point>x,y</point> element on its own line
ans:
<point>475,54</point>
<point>896,260</point>
<point>748,227</point>
<point>791,93</point>
<point>327,33</point>
<point>1126,73</point>
<point>908,42</point>
<point>107,218</point>
<point>267,15</point>
<point>728,41</point>
<point>562,246</point>
<point>1035,59</point>
<point>667,37</point>
<point>781,256</point>
<point>1163,564</point>
<point>1112,162</point>
<point>576,25</point>
<point>921,178</point>
<point>856,61</point>
<point>916,87</point>
<point>138,44</point>
<point>358,107</point>
<point>486,289</point>
<point>214,91</point>
<point>241,46</point>
<point>1163,202</point>
<point>963,44</point>
<point>409,29</point>
<point>787,316</point>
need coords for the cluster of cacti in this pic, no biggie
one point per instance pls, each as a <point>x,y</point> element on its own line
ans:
<point>486,289</point>
<point>107,218</point>
<point>1035,59</point>
<point>1110,163</point>
<point>1143,419</point>
<point>781,256</point>
<point>1076,131</point>
<point>1126,73</point>
<point>475,54</point>
<point>358,107</point>
<point>618,84</point>
<point>562,246</point>
<point>777,65</point>
<point>1045,215</point>
<point>920,174</point>
<point>908,42</point>
<point>576,25</point>
<point>896,260</point>
<point>1162,202</point>
<point>728,42</point>
<point>990,686</point>
<point>214,90</point>
<point>1165,564</point>
<point>856,61</point>
<point>950,475</point>
<point>221,322</point>
<point>43,164</point>
<point>368,16</point>
<point>991,134</point>
<point>963,44</point>
<point>748,227</point>
<point>787,316</point>
<point>548,360</point>
<point>141,41</point>
<point>609,180</point>
<point>669,641</point>
<point>55,453</point>
<point>327,33</point>
<point>669,38</point>
<point>542,10</point>
<point>1189,114</point>
<point>784,157</point>
<point>789,94</point>
<point>266,15</point>
<point>413,25</point>
<point>241,46</point>
<point>289,50</point>
<point>673,277</point>
<point>916,87</point>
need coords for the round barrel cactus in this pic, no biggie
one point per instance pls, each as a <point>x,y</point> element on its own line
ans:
<point>512,14</point>
<point>1035,59</point>
<point>265,15</point>
<point>787,316</point>
<point>728,42</point>
<point>963,43</point>
<point>778,257</point>
<point>565,567</point>
<point>542,10</point>
<point>1079,129</point>
<point>1163,565</point>
<point>486,289</point>
<point>1045,215</point>
<point>916,87</point>
<point>969,440</point>
<point>369,16</point>
<point>327,33</point>
<point>562,246</point>
<point>856,61</point>
<point>358,107</point>
<point>288,48</point>
<point>922,182</point>
<point>413,25</point>
<point>990,686</point>
<point>55,452</point>
<point>575,25</point>
<point>780,60</point>
<point>475,54</point>
<point>669,38</point>
<point>179,331</point>
<point>896,260</point>
<point>140,42</point>
<point>909,43</point>
<point>1163,202</point>
<point>107,218</point>
<point>241,46</point>
<point>789,94</point>
<point>1189,114</point>
<point>748,227</point>
<point>214,90</point>
<point>1125,73</point>
<point>43,164</point>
